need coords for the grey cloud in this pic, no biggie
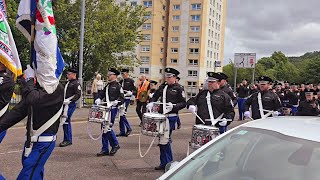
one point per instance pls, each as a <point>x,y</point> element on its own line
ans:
<point>265,26</point>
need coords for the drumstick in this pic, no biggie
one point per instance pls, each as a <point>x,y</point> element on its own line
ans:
<point>198,117</point>
<point>163,103</point>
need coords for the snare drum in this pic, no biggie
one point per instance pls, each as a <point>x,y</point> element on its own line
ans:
<point>153,124</point>
<point>97,114</point>
<point>202,134</point>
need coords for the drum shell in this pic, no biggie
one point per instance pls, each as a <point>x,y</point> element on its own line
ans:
<point>97,114</point>
<point>153,124</point>
<point>201,135</point>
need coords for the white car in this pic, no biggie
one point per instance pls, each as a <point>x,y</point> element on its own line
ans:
<point>277,148</point>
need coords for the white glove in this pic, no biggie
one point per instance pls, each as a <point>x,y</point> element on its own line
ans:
<point>192,108</point>
<point>151,95</point>
<point>97,101</point>
<point>129,93</point>
<point>29,72</point>
<point>150,105</point>
<point>114,103</point>
<point>247,114</point>
<point>66,101</point>
<point>276,113</point>
<point>223,123</point>
<point>169,107</point>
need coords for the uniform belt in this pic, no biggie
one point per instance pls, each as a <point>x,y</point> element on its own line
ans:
<point>43,138</point>
<point>171,115</point>
<point>127,97</point>
<point>295,105</point>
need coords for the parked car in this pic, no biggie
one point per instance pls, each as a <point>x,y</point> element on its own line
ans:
<point>277,148</point>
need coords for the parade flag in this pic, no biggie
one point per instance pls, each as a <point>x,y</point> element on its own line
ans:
<point>47,60</point>
<point>8,51</point>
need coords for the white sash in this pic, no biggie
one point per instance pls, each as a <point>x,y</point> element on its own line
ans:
<point>164,99</point>
<point>3,110</point>
<point>213,121</point>
<point>260,105</point>
<point>107,95</point>
<point>66,106</point>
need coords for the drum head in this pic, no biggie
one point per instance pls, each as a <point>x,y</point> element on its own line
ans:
<point>154,115</point>
<point>200,126</point>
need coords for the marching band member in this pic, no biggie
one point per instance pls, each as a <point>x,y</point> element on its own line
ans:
<point>153,88</point>
<point>143,87</point>
<point>225,87</point>
<point>263,100</point>
<point>73,93</point>
<point>128,88</point>
<point>6,91</point>
<point>178,119</point>
<point>308,107</point>
<point>113,95</point>
<point>173,99</point>
<point>45,110</point>
<point>212,103</point>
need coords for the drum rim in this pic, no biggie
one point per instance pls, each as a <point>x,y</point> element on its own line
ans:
<point>158,115</point>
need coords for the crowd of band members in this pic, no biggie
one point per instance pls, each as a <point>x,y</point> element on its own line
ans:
<point>215,101</point>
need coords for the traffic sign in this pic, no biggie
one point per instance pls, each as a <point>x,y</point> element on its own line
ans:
<point>244,60</point>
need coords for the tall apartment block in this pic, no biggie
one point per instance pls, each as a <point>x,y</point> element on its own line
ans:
<point>187,35</point>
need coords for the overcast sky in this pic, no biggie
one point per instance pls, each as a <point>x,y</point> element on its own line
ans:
<point>265,26</point>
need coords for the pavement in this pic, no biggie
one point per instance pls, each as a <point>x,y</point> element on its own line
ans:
<point>79,160</point>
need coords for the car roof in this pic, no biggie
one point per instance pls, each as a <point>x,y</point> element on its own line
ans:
<point>304,127</point>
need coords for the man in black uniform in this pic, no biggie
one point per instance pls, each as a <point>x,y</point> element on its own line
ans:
<point>220,103</point>
<point>178,119</point>
<point>243,93</point>
<point>263,100</point>
<point>308,107</point>
<point>114,97</point>
<point>128,89</point>
<point>72,95</point>
<point>293,96</point>
<point>172,96</point>
<point>6,91</point>
<point>225,87</point>
<point>43,108</point>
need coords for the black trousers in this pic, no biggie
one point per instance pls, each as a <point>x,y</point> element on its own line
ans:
<point>143,106</point>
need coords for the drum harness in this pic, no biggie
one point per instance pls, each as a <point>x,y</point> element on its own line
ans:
<point>4,109</point>
<point>166,133</point>
<point>34,135</point>
<point>261,110</point>
<point>106,125</point>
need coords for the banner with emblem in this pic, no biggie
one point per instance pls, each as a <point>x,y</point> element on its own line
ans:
<point>8,51</point>
<point>47,62</point>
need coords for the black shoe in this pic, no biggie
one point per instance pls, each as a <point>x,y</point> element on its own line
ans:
<point>103,153</point>
<point>128,132</point>
<point>65,143</point>
<point>179,126</point>
<point>114,150</point>
<point>121,135</point>
<point>159,168</point>
<point>140,125</point>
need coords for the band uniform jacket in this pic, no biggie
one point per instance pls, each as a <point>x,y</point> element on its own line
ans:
<point>227,89</point>
<point>115,92</point>
<point>175,94</point>
<point>44,107</point>
<point>220,102</point>
<point>305,108</point>
<point>6,89</point>
<point>243,91</point>
<point>74,88</point>
<point>270,101</point>
<point>128,85</point>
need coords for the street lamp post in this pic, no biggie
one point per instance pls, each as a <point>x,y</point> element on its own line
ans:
<point>81,48</point>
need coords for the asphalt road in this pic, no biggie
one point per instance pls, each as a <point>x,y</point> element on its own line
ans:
<point>79,161</point>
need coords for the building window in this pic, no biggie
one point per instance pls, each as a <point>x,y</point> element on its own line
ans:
<point>164,7</point>
<point>192,73</point>
<point>144,70</point>
<point>161,60</point>
<point>161,50</point>
<point>195,28</point>
<point>146,26</point>
<point>174,50</point>
<point>190,95</point>
<point>176,17</point>
<point>193,62</point>
<point>163,29</point>
<point>174,39</point>
<point>163,18</point>
<point>175,28</point>
<point>145,59</point>
<point>162,39</point>
<point>194,40</point>
<point>147,3</point>
<point>208,54</point>
<point>192,84</point>
<point>145,48</point>
<point>209,22</point>
<point>147,15</point>
<point>174,61</point>
<point>196,6</point>
<point>134,3</point>
<point>160,71</point>
<point>176,7</point>
<point>195,17</point>
<point>193,50</point>
<point>147,37</point>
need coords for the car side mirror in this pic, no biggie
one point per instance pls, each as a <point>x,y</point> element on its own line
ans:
<point>170,165</point>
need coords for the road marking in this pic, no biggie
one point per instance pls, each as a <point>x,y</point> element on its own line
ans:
<point>11,152</point>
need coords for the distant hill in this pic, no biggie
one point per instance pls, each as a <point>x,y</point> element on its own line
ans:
<point>306,57</point>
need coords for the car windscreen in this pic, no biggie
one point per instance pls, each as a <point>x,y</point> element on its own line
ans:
<point>254,154</point>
